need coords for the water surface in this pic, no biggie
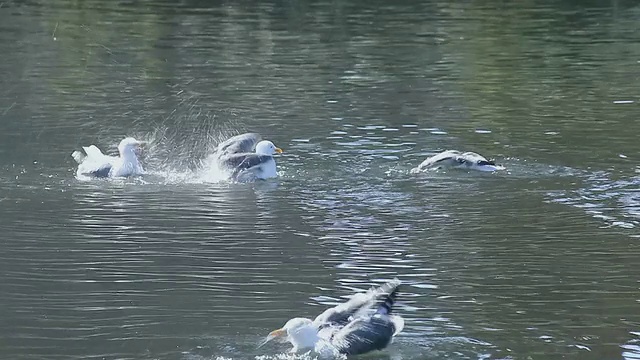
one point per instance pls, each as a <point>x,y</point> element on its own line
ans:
<point>537,261</point>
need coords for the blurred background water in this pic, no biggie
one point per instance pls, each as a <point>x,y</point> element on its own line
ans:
<point>537,261</point>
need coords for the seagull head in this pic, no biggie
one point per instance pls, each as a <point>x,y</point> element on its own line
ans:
<point>130,146</point>
<point>300,332</point>
<point>266,147</point>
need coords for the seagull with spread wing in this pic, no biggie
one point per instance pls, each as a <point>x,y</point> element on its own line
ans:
<point>363,324</point>
<point>246,156</point>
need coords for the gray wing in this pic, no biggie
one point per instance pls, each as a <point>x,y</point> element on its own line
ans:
<point>243,143</point>
<point>364,335</point>
<point>342,313</point>
<point>367,332</point>
<point>446,158</point>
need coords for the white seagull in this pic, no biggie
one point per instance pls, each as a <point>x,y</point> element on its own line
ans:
<point>456,159</point>
<point>93,163</point>
<point>360,325</point>
<point>246,157</point>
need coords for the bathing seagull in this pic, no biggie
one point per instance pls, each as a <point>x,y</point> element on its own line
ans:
<point>358,326</point>
<point>456,159</point>
<point>245,156</point>
<point>94,163</point>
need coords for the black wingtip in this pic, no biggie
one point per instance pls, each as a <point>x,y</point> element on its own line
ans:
<point>387,305</point>
<point>486,162</point>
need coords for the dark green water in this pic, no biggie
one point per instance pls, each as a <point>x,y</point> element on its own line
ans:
<point>536,262</point>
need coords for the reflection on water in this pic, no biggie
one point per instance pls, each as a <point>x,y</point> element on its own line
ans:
<point>536,261</point>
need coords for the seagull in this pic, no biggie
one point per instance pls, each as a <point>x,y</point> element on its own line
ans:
<point>246,157</point>
<point>360,325</point>
<point>93,163</point>
<point>456,159</point>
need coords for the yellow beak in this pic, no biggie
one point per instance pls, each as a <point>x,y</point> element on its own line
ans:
<point>273,335</point>
<point>278,150</point>
<point>277,333</point>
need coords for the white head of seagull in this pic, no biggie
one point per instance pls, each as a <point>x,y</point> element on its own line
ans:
<point>266,147</point>
<point>130,147</point>
<point>128,164</point>
<point>300,332</point>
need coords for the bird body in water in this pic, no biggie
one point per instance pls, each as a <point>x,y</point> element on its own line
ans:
<point>457,160</point>
<point>363,324</point>
<point>247,157</point>
<point>93,163</point>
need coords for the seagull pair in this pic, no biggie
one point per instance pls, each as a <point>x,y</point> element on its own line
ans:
<point>244,156</point>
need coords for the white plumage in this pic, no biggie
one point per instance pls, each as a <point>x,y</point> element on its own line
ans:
<point>93,163</point>
<point>455,159</point>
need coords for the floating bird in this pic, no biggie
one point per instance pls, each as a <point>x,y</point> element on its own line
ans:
<point>246,157</point>
<point>94,163</point>
<point>360,325</point>
<point>456,159</point>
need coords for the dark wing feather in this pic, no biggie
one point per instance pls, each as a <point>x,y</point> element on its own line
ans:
<point>243,143</point>
<point>364,332</point>
<point>341,314</point>
<point>462,161</point>
<point>486,162</point>
<point>101,172</point>
<point>364,335</point>
<point>244,161</point>
<point>239,163</point>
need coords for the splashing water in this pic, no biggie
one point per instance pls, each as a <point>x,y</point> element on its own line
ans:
<point>181,148</point>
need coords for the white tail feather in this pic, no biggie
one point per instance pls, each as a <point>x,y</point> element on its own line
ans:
<point>93,151</point>
<point>78,156</point>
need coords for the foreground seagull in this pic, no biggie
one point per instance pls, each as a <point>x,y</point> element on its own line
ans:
<point>94,163</point>
<point>456,159</point>
<point>358,326</point>
<point>246,157</point>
